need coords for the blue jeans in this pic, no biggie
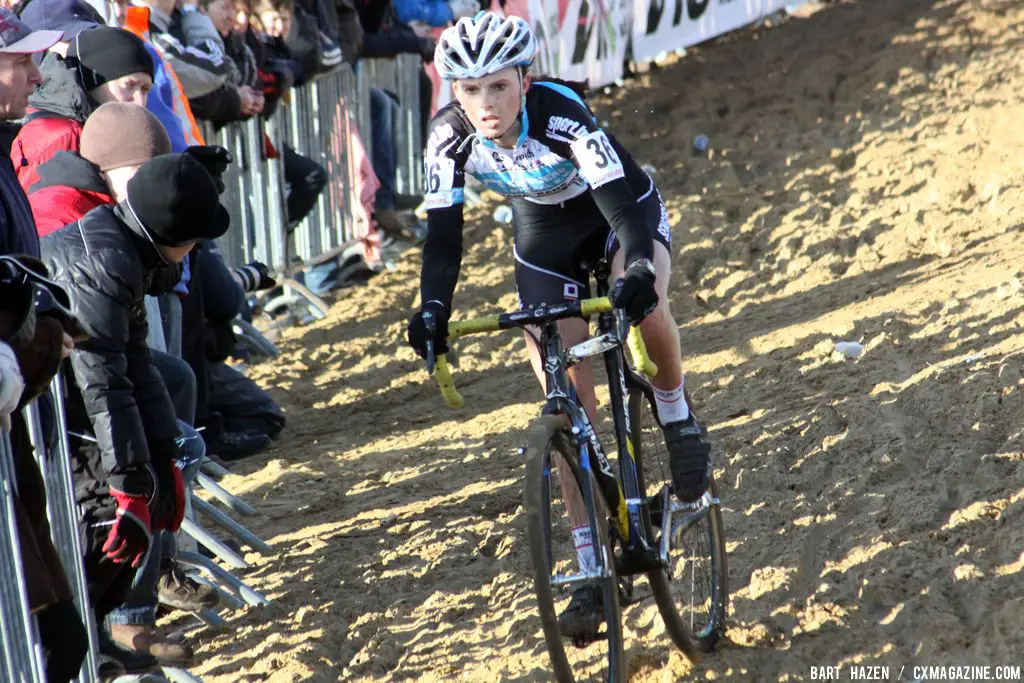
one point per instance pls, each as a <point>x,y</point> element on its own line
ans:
<point>321,278</point>
<point>139,607</point>
<point>384,115</point>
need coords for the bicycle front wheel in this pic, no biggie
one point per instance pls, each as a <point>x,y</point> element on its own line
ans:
<point>692,592</point>
<point>559,498</point>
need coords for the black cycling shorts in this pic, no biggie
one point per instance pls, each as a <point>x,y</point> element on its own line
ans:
<point>554,241</point>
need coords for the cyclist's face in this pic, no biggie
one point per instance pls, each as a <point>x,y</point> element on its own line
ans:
<point>492,102</point>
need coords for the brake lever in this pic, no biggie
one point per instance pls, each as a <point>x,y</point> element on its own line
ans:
<point>622,324</point>
<point>431,327</point>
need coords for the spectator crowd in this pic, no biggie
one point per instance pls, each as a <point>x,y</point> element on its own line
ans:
<point>112,281</point>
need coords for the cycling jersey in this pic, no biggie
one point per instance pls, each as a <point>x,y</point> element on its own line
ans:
<point>561,154</point>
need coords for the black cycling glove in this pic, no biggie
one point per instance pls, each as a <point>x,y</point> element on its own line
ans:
<point>635,293</point>
<point>418,334</point>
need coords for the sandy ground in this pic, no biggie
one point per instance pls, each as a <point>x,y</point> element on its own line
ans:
<point>867,184</point>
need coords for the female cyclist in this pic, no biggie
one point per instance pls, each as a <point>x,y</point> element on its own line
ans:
<point>577,195</point>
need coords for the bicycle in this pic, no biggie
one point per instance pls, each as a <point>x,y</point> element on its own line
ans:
<point>626,516</point>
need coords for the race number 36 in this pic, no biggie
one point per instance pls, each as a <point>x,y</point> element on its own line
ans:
<point>597,159</point>
<point>439,178</point>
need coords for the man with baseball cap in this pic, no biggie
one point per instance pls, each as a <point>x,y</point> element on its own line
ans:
<point>63,637</point>
<point>19,77</point>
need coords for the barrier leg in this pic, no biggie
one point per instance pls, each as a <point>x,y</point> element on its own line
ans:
<point>225,497</point>
<point>214,620</point>
<point>225,577</point>
<point>180,675</point>
<point>227,598</point>
<point>317,306</point>
<point>213,469</point>
<point>255,339</point>
<point>236,529</point>
<point>207,539</point>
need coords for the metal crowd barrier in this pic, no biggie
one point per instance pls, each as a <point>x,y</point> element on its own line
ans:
<point>254,196</point>
<point>316,121</point>
<point>22,657</point>
<point>62,513</point>
<point>401,76</point>
<point>316,124</point>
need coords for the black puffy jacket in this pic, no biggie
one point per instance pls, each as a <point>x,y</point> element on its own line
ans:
<point>107,265</point>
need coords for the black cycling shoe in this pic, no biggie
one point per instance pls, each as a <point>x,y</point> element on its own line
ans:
<point>689,459</point>
<point>583,616</point>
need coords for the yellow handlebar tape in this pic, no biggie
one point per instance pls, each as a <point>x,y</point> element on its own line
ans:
<point>488,323</point>
<point>636,346</point>
<point>444,380</point>
<point>599,305</point>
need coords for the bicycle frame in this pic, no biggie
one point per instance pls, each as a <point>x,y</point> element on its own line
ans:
<point>622,494</point>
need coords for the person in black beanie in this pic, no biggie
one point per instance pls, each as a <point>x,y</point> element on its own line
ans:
<point>126,482</point>
<point>113,65</point>
<point>102,64</point>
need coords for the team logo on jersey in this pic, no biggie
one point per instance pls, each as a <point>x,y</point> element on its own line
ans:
<point>439,136</point>
<point>559,127</point>
<point>663,227</point>
<point>571,291</point>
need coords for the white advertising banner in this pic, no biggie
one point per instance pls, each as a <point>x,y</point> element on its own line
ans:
<point>587,39</point>
<point>580,39</point>
<point>666,25</point>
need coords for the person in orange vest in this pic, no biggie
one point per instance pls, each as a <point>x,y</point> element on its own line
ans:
<point>166,85</point>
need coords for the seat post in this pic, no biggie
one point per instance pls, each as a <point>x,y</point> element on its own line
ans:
<point>602,271</point>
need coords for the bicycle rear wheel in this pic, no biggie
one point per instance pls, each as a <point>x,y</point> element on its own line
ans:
<point>551,475</point>
<point>692,592</point>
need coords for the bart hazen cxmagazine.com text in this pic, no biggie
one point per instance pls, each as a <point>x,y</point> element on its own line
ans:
<point>915,673</point>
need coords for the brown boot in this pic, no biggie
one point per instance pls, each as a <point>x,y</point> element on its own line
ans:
<point>146,639</point>
<point>176,589</point>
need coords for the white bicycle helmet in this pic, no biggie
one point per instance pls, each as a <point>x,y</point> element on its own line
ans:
<point>484,44</point>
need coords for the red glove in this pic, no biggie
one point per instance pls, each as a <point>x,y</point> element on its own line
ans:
<point>172,501</point>
<point>129,539</point>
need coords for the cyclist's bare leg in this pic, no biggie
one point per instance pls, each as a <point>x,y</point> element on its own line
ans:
<point>572,332</point>
<point>660,331</point>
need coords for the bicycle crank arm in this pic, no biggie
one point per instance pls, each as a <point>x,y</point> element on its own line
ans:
<point>559,580</point>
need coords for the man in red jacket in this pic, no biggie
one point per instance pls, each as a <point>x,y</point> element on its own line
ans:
<point>70,185</point>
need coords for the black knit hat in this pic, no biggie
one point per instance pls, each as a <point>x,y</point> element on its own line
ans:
<point>105,54</point>
<point>176,201</point>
